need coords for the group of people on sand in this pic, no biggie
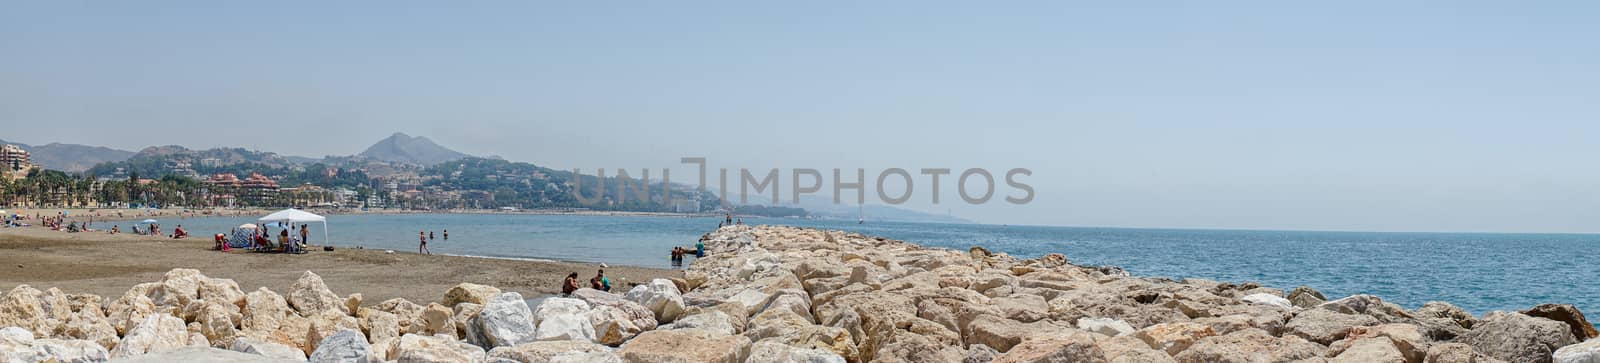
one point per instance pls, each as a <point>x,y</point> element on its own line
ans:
<point>422,241</point>
<point>261,240</point>
<point>598,282</point>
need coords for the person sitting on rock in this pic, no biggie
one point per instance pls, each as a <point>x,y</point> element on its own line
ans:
<point>600,282</point>
<point>570,285</point>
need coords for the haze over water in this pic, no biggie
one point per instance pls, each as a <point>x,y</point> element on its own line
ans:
<point>1479,272</point>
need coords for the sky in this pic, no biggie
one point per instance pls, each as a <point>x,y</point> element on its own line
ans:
<point>1360,115</point>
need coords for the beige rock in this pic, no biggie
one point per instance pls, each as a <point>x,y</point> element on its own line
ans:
<point>221,291</point>
<point>408,314</point>
<point>1375,350</point>
<point>789,328</point>
<point>614,318</point>
<point>1128,348</point>
<point>26,307</point>
<point>1456,353</point>
<point>673,346</point>
<point>88,325</point>
<point>1406,339</point>
<point>327,323</point>
<point>470,292</point>
<point>1002,334</point>
<point>1305,297</point>
<point>1518,338</point>
<point>156,333</point>
<point>544,351</point>
<point>378,324</point>
<point>437,348</point>
<point>178,287</point>
<point>1250,345</point>
<point>310,296</point>
<point>1069,347</point>
<point>438,320</point>
<point>464,313</point>
<point>1173,338</point>
<point>1325,326</point>
<point>1023,308</point>
<point>217,322</point>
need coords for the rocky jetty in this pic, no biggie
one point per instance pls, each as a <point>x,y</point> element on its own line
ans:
<point>783,294</point>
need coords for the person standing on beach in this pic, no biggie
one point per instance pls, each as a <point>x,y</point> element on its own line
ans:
<point>304,235</point>
<point>422,244</point>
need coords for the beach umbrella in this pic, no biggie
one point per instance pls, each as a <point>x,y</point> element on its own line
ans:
<point>147,221</point>
<point>248,226</point>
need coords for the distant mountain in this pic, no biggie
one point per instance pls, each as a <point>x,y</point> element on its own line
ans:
<point>71,157</point>
<point>408,149</point>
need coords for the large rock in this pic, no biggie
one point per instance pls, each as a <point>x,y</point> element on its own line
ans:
<point>1518,338</point>
<point>661,296</point>
<point>25,307</point>
<point>223,291</point>
<point>309,295</point>
<point>90,324</point>
<point>438,348</point>
<point>1250,345</point>
<point>1002,334</point>
<point>1565,313</point>
<point>439,319</point>
<point>789,328</point>
<point>1456,353</point>
<point>1068,346</point>
<point>178,287</point>
<point>409,314</point>
<point>547,351</point>
<point>771,351</point>
<point>469,292</point>
<point>1128,348</point>
<point>202,354</point>
<point>127,311</point>
<point>1023,308</point>
<point>1366,350</point>
<point>157,333</point>
<point>560,318</point>
<point>71,351</point>
<point>378,324</point>
<point>1306,297</point>
<point>217,322</point>
<point>674,346</point>
<point>16,345</point>
<point>327,323</point>
<point>614,318</point>
<point>1586,352</point>
<point>506,320</point>
<point>344,346</point>
<point>1406,339</point>
<point>1110,327</point>
<point>1325,326</point>
<point>1173,338</point>
<point>266,348</point>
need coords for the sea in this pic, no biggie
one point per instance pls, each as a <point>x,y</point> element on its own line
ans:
<point>1479,272</point>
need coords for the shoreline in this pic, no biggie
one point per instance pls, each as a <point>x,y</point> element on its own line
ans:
<point>106,265</point>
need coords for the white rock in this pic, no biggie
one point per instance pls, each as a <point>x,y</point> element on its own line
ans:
<point>1268,300</point>
<point>156,333</point>
<point>660,296</point>
<point>1107,326</point>
<point>1586,352</point>
<point>71,351</point>
<point>506,320</point>
<point>344,346</point>
<point>559,318</point>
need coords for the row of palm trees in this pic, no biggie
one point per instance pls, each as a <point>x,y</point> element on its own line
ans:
<point>53,188</point>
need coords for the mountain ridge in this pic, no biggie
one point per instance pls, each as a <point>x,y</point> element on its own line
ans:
<point>419,150</point>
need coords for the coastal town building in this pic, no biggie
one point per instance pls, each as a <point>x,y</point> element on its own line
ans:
<point>15,161</point>
<point>255,189</point>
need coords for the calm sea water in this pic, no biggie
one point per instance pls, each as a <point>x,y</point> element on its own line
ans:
<point>1479,272</point>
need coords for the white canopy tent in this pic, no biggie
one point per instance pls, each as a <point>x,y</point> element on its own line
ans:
<point>292,216</point>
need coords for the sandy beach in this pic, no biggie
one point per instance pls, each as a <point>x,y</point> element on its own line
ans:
<point>106,265</point>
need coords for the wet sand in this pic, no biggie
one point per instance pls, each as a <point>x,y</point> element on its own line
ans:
<point>107,265</point>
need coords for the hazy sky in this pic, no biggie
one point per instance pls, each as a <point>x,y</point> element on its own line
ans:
<point>1412,116</point>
